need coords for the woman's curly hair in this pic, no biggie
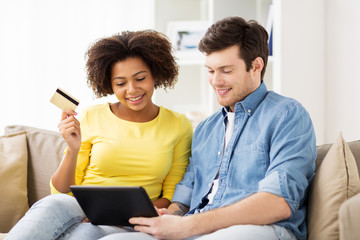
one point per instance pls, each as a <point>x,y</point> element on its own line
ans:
<point>151,46</point>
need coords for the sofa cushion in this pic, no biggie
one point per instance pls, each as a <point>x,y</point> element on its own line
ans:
<point>354,147</point>
<point>349,218</point>
<point>46,149</point>
<point>13,179</point>
<point>336,180</point>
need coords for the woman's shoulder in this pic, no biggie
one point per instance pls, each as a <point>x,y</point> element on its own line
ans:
<point>94,110</point>
<point>172,116</point>
<point>168,113</point>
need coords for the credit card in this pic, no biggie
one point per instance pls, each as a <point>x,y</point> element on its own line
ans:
<point>64,100</point>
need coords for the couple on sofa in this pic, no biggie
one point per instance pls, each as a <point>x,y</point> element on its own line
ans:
<point>243,175</point>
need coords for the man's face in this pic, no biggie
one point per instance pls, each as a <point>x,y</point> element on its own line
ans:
<point>229,78</point>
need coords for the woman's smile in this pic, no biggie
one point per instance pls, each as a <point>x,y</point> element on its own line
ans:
<point>135,100</point>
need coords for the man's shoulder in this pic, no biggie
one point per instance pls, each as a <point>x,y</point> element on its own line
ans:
<point>277,107</point>
<point>275,102</point>
<point>210,123</point>
<point>280,99</point>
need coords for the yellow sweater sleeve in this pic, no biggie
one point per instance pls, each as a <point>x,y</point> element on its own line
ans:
<point>180,161</point>
<point>83,156</point>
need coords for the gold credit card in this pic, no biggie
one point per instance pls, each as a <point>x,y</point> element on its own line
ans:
<point>64,100</point>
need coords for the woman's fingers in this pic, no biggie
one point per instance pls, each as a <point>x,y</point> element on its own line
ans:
<point>66,113</point>
<point>69,125</point>
<point>69,128</point>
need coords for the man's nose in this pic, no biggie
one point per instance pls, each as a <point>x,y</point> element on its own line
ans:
<point>216,79</point>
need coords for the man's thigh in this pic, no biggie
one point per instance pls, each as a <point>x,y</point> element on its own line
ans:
<point>250,232</point>
<point>129,236</point>
<point>238,232</point>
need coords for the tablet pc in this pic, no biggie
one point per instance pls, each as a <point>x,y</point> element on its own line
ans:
<point>113,205</point>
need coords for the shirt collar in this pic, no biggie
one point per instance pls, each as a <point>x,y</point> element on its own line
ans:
<point>251,102</point>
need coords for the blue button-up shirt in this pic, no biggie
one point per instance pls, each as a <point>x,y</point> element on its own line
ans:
<point>272,149</point>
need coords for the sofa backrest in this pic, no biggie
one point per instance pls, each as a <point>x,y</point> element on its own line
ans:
<point>45,151</point>
<point>323,149</point>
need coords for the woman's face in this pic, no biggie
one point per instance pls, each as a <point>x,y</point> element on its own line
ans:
<point>132,83</point>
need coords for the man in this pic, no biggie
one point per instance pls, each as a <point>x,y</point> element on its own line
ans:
<point>252,161</point>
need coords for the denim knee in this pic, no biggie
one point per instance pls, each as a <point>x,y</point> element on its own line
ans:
<point>60,204</point>
<point>48,218</point>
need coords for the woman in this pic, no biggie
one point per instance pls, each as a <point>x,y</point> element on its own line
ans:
<point>131,142</point>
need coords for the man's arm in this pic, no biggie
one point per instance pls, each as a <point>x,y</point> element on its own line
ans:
<point>258,209</point>
<point>177,208</point>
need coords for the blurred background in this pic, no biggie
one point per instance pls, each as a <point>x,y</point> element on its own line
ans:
<point>315,54</point>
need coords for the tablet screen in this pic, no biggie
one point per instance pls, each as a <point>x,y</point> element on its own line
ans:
<point>113,205</point>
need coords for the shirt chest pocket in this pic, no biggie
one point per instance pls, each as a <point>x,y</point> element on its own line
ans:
<point>248,166</point>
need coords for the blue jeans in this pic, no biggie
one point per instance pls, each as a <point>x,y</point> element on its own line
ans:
<point>237,232</point>
<point>58,216</point>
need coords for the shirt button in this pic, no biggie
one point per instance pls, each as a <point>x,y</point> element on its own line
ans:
<point>219,153</point>
<point>209,184</point>
<point>249,111</point>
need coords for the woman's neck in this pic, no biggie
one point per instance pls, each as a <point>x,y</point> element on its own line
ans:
<point>145,115</point>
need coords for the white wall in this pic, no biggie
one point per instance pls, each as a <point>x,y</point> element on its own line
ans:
<point>342,69</point>
<point>320,66</point>
<point>302,57</point>
<point>42,47</point>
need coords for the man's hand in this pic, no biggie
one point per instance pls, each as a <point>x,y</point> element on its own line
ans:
<point>163,227</point>
<point>162,211</point>
<point>258,209</point>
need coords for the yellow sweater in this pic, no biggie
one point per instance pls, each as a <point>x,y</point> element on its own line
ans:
<point>113,151</point>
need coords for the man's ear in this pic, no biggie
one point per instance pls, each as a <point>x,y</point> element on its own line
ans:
<point>256,68</point>
<point>257,65</point>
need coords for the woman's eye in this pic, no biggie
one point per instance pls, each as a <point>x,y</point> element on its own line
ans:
<point>120,84</point>
<point>140,79</point>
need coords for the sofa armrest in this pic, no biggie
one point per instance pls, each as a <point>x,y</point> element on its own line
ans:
<point>349,218</point>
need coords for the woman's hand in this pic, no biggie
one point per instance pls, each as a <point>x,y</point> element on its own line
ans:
<point>162,203</point>
<point>69,127</point>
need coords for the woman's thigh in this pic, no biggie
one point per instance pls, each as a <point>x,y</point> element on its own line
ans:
<point>88,231</point>
<point>48,218</point>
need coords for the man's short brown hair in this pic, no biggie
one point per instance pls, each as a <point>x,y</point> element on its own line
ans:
<point>250,36</point>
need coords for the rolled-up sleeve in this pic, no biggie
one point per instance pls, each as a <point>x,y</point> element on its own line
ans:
<point>182,194</point>
<point>292,156</point>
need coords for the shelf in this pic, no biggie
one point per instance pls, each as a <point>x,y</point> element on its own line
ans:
<point>191,61</point>
<point>193,93</point>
